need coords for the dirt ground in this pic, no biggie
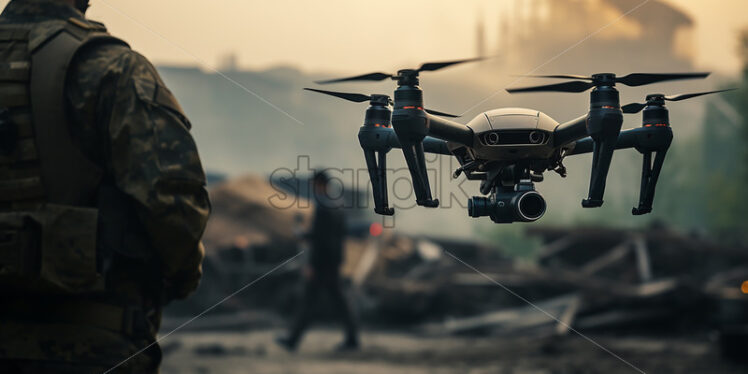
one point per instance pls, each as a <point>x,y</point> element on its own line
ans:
<point>402,352</point>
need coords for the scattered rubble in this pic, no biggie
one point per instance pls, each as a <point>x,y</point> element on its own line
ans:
<point>651,280</point>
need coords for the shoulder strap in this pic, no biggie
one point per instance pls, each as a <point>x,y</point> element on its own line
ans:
<point>68,176</point>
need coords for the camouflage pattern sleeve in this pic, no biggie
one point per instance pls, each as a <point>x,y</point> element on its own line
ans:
<point>155,161</point>
<point>153,158</point>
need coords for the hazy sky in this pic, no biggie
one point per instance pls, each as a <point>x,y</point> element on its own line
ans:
<point>332,35</point>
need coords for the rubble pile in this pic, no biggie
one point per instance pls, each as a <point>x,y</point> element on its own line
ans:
<point>652,280</point>
<point>250,208</point>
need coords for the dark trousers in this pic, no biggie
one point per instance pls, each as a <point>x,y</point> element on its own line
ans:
<point>331,284</point>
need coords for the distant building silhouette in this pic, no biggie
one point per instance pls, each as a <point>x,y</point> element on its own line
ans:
<point>480,37</point>
<point>229,63</point>
<point>532,31</point>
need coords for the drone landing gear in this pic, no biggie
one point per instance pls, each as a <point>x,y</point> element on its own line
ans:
<point>376,162</point>
<point>602,156</point>
<point>416,160</point>
<point>650,174</point>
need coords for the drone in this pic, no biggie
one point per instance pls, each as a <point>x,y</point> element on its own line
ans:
<point>509,149</point>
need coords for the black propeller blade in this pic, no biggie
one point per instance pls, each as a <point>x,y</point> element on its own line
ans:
<point>633,108</point>
<point>364,77</point>
<point>441,114</point>
<point>360,98</point>
<point>562,76</point>
<point>638,107</point>
<point>429,66</point>
<point>433,66</point>
<point>639,79</point>
<point>632,80</point>
<point>688,96</point>
<point>356,98</point>
<point>573,86</point>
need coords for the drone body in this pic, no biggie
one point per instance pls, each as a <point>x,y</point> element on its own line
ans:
<point>508,149</point>
<point>513,134</point>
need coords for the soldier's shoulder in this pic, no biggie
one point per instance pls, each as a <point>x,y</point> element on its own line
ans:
<point>104,66</point>
<point>104,58</point>
<point>87,25</point>
<point>111,58</point>
<point>43,31</point>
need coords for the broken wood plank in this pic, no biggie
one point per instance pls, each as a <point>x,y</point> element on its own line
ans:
<point>643,263</point>
<point>542,313</point>
<point>566,320</point>
<point>612,256</point>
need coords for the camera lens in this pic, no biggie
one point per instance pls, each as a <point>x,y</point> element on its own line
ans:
<point>479,207</point>
<point>536,137</point>
<point>492,138</point>
<point>531,206</point>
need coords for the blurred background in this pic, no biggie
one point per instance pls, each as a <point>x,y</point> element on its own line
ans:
<point>661,293</point>
<point>275,49</point>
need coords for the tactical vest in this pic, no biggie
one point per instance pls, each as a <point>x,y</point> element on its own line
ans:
<point>48,188</point>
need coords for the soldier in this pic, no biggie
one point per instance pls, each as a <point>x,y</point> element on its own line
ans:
<point>102,196</point>
<point>322,273</point>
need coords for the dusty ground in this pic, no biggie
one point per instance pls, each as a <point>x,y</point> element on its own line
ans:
<point>398,352</point>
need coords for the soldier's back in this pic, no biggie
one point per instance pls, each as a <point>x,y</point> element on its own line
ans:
<point>71,320</point>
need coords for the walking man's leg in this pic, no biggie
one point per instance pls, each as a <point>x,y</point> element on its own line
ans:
<point>345,311</point>
<point>303,316</point>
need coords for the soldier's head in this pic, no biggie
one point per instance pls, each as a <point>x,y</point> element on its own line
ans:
<point>81,5</point>
<point>320,181</point>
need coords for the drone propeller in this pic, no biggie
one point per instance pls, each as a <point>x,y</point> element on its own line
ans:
<point>375,77</point>
<point>429,66</point>
<point>596,80</point>
<point>356,98</point>
<point>653,99</point>
<point>360,98</point>
<point>441,114</point>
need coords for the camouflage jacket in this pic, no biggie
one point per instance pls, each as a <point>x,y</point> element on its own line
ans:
<point>144,148</point>
<point>148,156</point>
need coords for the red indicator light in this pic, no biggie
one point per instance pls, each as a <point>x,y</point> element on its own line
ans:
<point>376,229</point>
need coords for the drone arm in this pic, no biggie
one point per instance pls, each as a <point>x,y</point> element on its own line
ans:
<point>449,130</point>
<point>437,146</point>
<point>430,144</point>
<point>570,131</point>
<point>626,139</point>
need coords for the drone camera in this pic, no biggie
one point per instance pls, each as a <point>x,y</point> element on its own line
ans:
<point>508,207</point>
